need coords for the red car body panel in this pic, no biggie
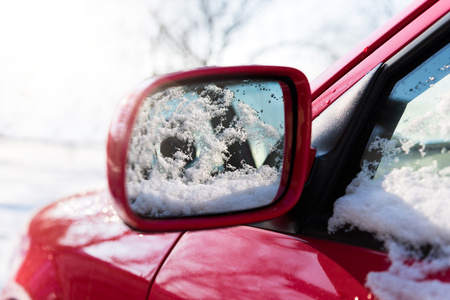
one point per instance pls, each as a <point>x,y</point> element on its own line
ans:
<point>78,248</point>
<point>250,263</point>
<point>86,252</point>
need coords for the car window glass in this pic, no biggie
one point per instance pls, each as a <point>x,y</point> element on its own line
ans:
<point>401,194</point>
<point>416,129</point>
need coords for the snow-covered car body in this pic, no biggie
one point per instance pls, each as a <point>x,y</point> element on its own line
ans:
<point>93,246</point>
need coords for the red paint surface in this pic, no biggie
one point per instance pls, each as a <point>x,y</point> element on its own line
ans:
<point>250,263</point>
<point>358,261</point>
<point>79,249</point>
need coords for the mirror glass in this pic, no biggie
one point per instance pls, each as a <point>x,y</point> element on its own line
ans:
<point>207,148</point>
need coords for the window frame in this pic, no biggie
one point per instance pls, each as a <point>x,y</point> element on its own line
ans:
<point>376,97</point>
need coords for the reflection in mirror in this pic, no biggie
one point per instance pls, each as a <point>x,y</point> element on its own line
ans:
<point>206,148</point>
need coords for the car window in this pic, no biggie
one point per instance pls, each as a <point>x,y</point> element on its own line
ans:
<point>414,128</point>
<point>401,193</point>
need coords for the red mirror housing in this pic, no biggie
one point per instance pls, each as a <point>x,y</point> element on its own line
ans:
<point>296,162</point>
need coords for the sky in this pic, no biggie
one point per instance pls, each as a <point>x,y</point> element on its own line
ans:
<point>66,64</point>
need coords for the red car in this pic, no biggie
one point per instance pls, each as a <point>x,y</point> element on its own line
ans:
<point>251,183</point>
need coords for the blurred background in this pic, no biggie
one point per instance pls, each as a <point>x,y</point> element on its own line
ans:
<point>64,65</point>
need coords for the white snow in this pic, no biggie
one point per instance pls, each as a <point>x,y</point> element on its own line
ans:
<point>183,184</point>
<point>161,198</point>
<point>406,205</point>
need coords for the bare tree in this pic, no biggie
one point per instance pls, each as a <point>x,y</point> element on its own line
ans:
<point>195,33</point>
<point>326,34</point>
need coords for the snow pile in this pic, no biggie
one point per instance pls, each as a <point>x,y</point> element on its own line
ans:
<point>405,204</point>
<point>200,150</point>
<point>407,280</point>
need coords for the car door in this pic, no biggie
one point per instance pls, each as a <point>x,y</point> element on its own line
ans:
<point>392,186</point>
<point>251,263</point>
<point>401,193</point>
<point>346,129</point>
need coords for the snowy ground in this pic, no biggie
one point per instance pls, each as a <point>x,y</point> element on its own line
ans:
<point>34,173</point>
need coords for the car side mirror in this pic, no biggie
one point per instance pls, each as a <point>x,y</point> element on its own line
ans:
<point>211,147</point>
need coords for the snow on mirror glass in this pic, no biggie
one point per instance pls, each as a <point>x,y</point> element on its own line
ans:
<point>207,148</point>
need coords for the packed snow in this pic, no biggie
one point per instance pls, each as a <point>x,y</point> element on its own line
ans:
<point>403,200</point>
<point>198,173</point>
